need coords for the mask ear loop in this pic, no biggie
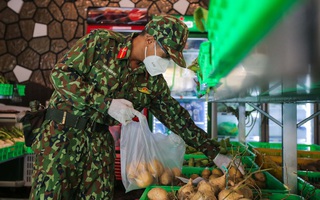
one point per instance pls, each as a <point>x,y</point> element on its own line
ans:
<point>145,52</point>
<point>155,48</point>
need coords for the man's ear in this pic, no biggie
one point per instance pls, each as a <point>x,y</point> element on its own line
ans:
<point>149,38</point>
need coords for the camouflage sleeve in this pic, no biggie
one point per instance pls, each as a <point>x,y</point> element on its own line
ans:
<point>68,75</point>
<point>178,120</point>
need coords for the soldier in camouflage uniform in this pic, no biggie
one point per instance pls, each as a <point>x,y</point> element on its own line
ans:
<point>101,82</point>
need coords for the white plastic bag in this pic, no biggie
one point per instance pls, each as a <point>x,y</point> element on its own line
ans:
<point>146,156</point>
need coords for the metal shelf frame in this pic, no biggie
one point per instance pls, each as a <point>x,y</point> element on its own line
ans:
<point>287,58</point>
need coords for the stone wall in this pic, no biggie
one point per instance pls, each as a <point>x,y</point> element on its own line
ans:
<point>34,34</point>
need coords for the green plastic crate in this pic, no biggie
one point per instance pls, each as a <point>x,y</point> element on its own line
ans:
<point>4,154</point>
<point>16,150</point>
<point>144,195</point>
<point>11,152</point>
<point>300,147</point>
<point>21,90</point>
<point>306,187</point>
<point>273,185</point>
<point>7,89</point>
<point>282,197</point>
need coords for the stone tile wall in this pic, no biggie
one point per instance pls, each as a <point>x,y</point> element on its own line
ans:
<point>34,34</point>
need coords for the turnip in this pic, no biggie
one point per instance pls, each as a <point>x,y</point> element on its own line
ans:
<point>205,173</point>
<point>229,194</point>
<point>205,187</point>
<point>158,194</point>
<point>219,182</point>
<point>204,196</point>
<point>187,191</point>
<point>155,167</point>
<point>143,179</point>
<point>166,177</point>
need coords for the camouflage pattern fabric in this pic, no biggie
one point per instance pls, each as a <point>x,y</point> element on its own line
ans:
<point>72,164</point>
<point>86,79</point>
<point>172,33</point>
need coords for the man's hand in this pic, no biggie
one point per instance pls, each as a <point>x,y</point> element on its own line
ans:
<point>122,110</point>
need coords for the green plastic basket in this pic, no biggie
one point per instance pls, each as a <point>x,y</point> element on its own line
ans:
<point>3,154</point>
<point>16,150</point>
<point>144,195</point>
<point>306,187</point>
<point>11,152</point>
<point>282,197</point>
<point>7,89</point>
<point>273,186</point>
<point>300,147</point>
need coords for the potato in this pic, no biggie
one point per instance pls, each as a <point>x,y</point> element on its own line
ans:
<point>158,194</point>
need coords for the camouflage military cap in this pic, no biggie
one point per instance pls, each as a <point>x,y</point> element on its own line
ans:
<point>172,34</point>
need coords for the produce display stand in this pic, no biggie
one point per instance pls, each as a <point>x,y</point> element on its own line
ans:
<point>11,157</point>
<point>274,188</point>
<point>268,42</point>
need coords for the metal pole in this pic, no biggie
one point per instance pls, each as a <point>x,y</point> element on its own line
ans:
<point>214,129</point>
<point>242,123</point>
<point>289,146</point>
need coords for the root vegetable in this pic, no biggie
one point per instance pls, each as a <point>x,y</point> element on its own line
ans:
<point>245,191</point>
<point>250,181</point>
<point>261,185</point>
<point>194,176</point>
<point>176,171</point>
<point>155,167</point>
<point>204,196</point>
<point>234,172</point>
<point>166,177</point>
<point>205,187</point>
<point>219,182</point>
<point>187,191</point>
<point>158,194</point>
<point>142,166</point>
<point>205,173</point>
<point>229,194</point>
<point>212,176</point>
<point>131,171</point>
<point>259,176</point>
<point>217,171</point>
<point>144,179</point>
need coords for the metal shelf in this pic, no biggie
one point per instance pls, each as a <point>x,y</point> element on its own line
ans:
<point>282,68</point>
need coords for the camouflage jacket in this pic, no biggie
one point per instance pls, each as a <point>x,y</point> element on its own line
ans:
<point>96,70</point>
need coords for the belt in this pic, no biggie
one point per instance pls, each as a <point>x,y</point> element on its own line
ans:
<point>74,121</point>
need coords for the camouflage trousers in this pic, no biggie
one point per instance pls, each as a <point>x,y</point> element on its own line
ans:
<point>72,164</point>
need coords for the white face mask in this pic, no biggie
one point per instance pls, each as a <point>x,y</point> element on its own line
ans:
<point>155,64</point>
